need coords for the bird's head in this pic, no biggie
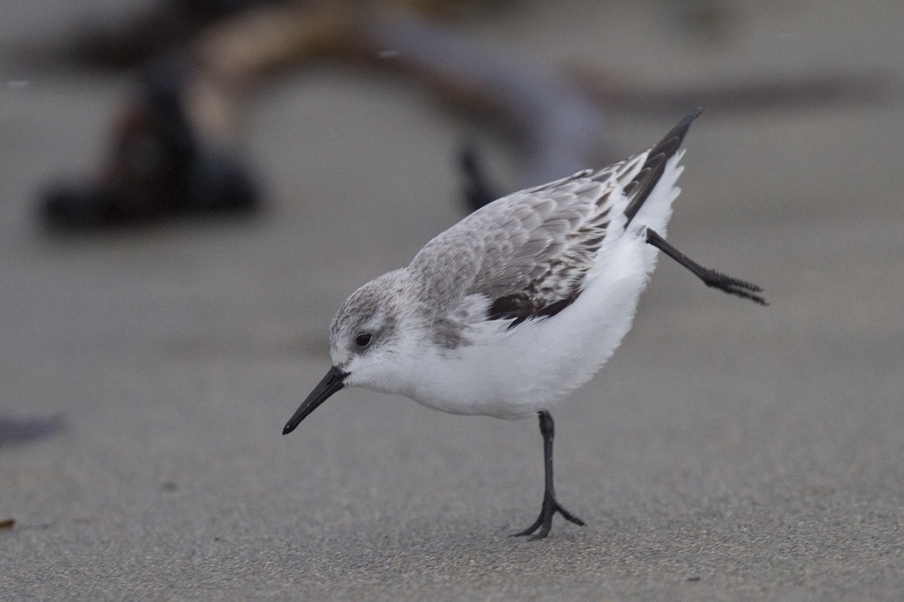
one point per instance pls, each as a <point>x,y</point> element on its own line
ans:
<point>371,339</point>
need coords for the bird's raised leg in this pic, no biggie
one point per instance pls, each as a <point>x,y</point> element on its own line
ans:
<point>723,282</point>
<point>550,505</point>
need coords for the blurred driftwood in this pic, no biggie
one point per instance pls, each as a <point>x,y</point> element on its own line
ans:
<point>560,128</point>
<point>223,49</point>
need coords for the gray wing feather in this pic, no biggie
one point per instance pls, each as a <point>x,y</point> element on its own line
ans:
<point>528,253</point>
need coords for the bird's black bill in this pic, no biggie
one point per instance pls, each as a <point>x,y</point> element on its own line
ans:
<point>332,382</point>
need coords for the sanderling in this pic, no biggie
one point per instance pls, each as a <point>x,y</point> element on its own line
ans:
<point>519,303</point>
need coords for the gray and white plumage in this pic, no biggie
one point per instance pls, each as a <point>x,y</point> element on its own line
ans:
<point>519,303</point>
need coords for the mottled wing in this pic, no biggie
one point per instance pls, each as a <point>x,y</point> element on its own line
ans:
<point>526,255</point>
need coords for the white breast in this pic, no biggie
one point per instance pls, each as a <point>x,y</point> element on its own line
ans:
<point>518,372</point>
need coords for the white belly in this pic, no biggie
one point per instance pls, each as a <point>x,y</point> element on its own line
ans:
<point>518,372</point>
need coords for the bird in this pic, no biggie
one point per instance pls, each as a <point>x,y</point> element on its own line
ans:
<point>520,303</point>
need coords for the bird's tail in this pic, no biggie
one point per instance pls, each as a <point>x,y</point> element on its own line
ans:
<point>643,184</point>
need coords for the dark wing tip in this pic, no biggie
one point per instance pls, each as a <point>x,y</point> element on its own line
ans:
<point>653,168</point>
<point>671,142</point>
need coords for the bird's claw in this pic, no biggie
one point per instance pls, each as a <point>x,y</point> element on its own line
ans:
<point>543,524</point>
<point>733,286</point>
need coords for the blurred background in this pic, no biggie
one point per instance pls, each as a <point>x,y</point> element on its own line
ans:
<point>190,189</point>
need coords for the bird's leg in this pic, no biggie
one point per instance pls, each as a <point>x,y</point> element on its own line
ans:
<point>723,282</point>
<point>550,504</point>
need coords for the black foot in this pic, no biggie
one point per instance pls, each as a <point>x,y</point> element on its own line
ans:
<point>732,286</point>
<point>712,278</point>
<point>540,528</point>
<point>544,521</point>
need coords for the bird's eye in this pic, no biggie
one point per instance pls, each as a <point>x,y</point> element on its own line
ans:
<point>362,340</point>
